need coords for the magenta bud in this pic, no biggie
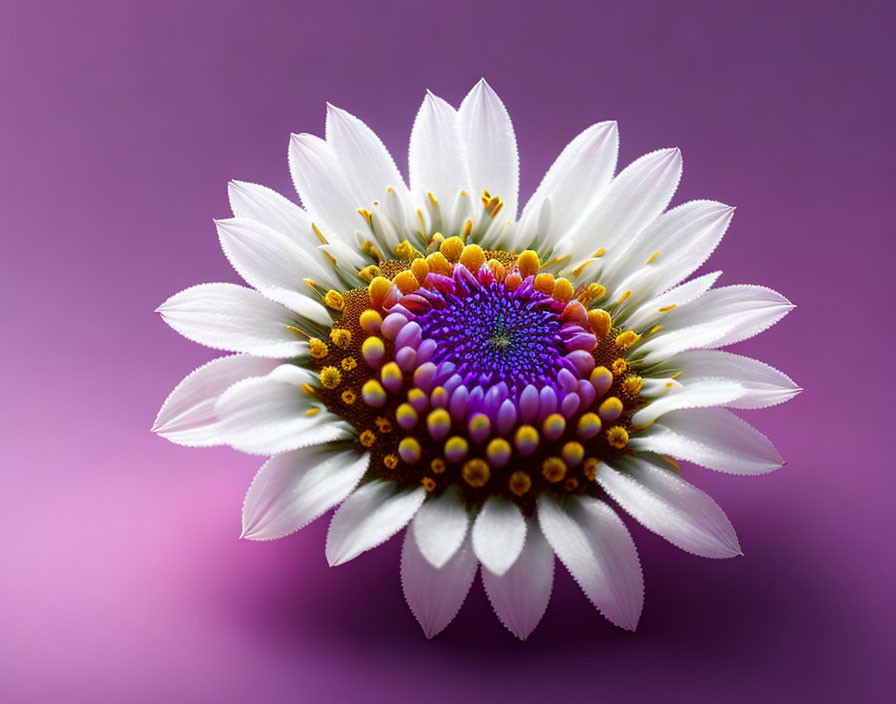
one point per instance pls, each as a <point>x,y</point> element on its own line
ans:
<point>393,323</point>
<point>529,404</point>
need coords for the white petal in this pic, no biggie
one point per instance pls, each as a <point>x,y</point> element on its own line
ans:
<point>435,595</point>
<point>671,507</point>
<point>594,545</point>
<point>671,248</point>
<point>490,146</point>
<point>652,311</point>
<point>581,171</point>
<point>293,489</point>
<point>323,189</point>
<point>436,157</point>
<point>713,438</point>
<point>267,415</point>
<point>521,595</point>
<point>719,317</point>
<point>363,158</point>
<point>440,527</point>
<point>346,257</point>
<point>499,534</point>
<point>634,198</point>
<point>234,318</point>
<point>702,393</point>
<point>271,262</point>
<point>266,206</point>
<point>763,385</point>
<point>188,415</point>
<point>369,517</point>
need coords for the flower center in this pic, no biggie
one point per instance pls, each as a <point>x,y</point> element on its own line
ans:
<point>473,369</point>
<point>494,334</point>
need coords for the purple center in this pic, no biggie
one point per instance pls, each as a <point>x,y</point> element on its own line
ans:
<point>510,353</point>
<point>492,335</point>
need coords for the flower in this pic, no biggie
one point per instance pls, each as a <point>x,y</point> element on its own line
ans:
<point>419,356</point>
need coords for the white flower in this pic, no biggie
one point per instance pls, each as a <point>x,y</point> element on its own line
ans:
<point>419,356</point>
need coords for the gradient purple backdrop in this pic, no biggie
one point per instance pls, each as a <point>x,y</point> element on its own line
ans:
<point>122,575</point>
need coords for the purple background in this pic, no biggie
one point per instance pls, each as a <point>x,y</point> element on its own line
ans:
<point>122,575</point>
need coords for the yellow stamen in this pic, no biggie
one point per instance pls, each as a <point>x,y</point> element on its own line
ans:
<point>653,256</point>
<point>368,216</point>
<point>555,260</point>
<point>452,248</point>
<point>367,438</point>
<point>369,273</point>
<point>577,272</point>
<point>617,436</point>
<point>341,337</point>
<point>419,268</point>
<point>330,377</point>
<point>404,250</point>
<point>553,469</point>
<point>317,348</point>
<point>472,257</point>
<point>600,321</point>
<point>498,270</point>
<point>627,338</point>
<point>519,483</point>
<point>589,469</point>
<point>319,234</point>
<point>528,263</point>
<point>406,281</point>
<point>476,473</point>
<point>348,364</point>
<point>335,300</point>
<point>438,264</point>
<point>348,397</point>
<point>378,290</point>
<point>544,283</point>
<point>563,290</point>
<point>632,384</point>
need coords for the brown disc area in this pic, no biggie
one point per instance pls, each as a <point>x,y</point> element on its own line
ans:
<point>379,432</point>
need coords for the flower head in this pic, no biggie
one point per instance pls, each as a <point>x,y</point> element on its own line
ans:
<point>421,356</point>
